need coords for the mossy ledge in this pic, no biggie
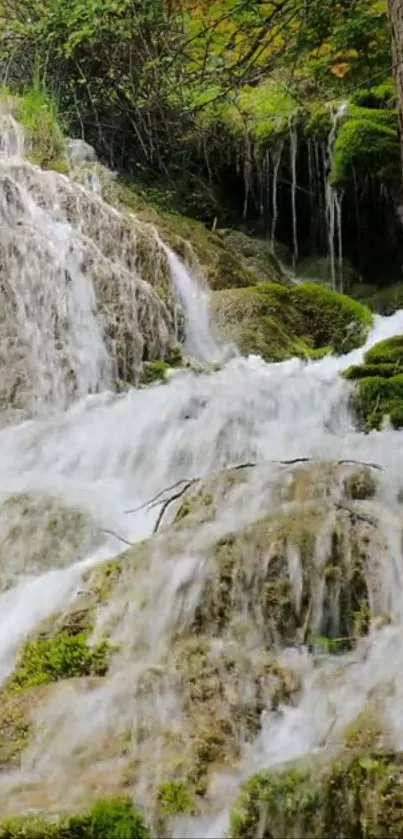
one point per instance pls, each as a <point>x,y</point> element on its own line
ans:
<point>357,795</point>
<point>107,819</point>
<point>378,391</point>
<point>278,322</point>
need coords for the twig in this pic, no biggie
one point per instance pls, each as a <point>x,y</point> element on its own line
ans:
<point>116,535</point>
<point>155,498</point>
<point>355,514</point>
<point>169,500</point>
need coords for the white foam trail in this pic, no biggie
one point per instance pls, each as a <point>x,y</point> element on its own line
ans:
<point>195,299</point>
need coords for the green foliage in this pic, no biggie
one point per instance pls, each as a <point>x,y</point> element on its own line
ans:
<point>63,656</point>
<point>38,114</point>
<point>114,818</point>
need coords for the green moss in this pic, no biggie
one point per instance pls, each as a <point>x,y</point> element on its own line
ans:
<point>363,371</point>
<point>278,323</point>
<point>361,484</point>
<point>175,797</point>
<point>154,371</point>
<point>356,796</point>
<point>63,656</point>
<point>379,384</point>
<point>243,578</point>
<point>377,397</point>
<point>15,728</point>
<point>331,318</point>
<point>107,819</point>
<point>389,351</point>
<point>175,355</point>
<point>367,142</point>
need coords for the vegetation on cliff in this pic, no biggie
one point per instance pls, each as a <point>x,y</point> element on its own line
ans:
<point>357,795</point>
<point>379,384</point>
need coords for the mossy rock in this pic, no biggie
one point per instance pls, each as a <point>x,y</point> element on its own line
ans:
<point>16,726</point>
<point>251,573</point>
<point>254,255</point>
<point>224,692</point>
<point>379,384</point>
<point>357,795</point>
<point>278,323</point>
<point>107,819</point>
<point>367,142</point>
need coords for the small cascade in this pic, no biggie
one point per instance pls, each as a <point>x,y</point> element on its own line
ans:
<point>86,293</point>
<point>293,162</point>
<point>200,341</point>
<point>333,204</point>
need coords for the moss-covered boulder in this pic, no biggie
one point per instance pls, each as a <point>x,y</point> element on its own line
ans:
<point>379,384</point>
<point>357,795</point>
<point>277,322</point>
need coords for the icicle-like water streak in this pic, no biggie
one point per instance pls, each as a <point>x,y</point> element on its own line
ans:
<point>293,161</point>
<point>333,204</point>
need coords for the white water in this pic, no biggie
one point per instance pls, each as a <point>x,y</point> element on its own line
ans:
<point>199,338</point>
<point>107,454</point>
<point>293,161</point>
<point>333,204</point>
<point>276,168</point>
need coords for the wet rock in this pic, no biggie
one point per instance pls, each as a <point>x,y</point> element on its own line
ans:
<point>80,152</point>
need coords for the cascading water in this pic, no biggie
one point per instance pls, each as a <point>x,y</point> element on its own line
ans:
<point>274,207</point>
<point>333,204</point>
<point>104,456</point>
<point>293,162</point>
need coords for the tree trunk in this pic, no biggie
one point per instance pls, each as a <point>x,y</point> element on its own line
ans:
<point>396,22</point>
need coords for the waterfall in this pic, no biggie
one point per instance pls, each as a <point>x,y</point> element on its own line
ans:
<point>333,204</point>
<point>85,294</point>
<point>276,166</point>
<point>89,475</point>
<point>293,159</point>
<point>199,338</point>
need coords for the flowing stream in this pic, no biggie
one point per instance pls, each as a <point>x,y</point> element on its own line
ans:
<point>104,454</point>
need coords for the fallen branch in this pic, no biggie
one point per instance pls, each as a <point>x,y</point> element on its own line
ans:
<point>155,499</point>
<point>169,501</point>
<point>355,514</point>
<point>116,535</point>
